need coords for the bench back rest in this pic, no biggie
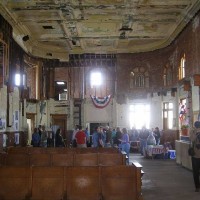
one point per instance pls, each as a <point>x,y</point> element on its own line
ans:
<point>15,182</point>
<point>17,150</point>
<point>47,183</point>
<point>65,159</point>
<point>80,182</point>
<point>40,159</point>
<point>109,159</point>
<point>36,150</point>
<point>17,160</point>
<point>118,182</point>
<point>87,159</point>
<point>62,159</point>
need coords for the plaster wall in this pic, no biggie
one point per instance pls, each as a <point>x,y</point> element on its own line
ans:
<point>3,107</point>
<point>195,98</point>
<point>93,114</point>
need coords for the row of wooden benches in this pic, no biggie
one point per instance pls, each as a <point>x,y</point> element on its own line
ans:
<point>120,182</point>
<point>61,159</point>
<point>32,150</point>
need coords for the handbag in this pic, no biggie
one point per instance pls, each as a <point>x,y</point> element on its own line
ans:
<point>191,150</point>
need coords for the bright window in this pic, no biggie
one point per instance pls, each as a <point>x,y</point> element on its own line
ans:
<point>95,79</point>
<point>139,115</point>
<point>17,79</point>
<point>182,68</point>
<point>167,115</point>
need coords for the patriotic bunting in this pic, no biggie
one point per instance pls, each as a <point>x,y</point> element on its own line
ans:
<point>100,102</point>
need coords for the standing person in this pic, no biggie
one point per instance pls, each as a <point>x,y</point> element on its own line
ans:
<point>125,144</point>
<point>144,133</point>
<point>95,136</point>
<point>113,136</point>
<point>108,137</point>
<point>74,144</point>
<point>157,135</point>
<point>195,139</point>
<point>118,136</point>
<point>35,138</point>
<point>103,135</point>
<point>87,136</point>
<point>59,138</point>
<point>101,138</point>
<point>81,138</point>
<point>43,140</point>
<point>40,130</point>
<point>134,134</point>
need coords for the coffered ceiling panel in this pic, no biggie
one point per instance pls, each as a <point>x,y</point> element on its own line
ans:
<point>57,28</point>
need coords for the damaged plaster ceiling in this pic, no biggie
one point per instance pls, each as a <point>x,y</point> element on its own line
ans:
<point>57,28</point>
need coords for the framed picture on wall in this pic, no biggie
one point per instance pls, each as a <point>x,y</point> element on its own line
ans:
<point>16,138</point>
<point>16,115</point>
<point>16,126</point>
<point>2,124</point>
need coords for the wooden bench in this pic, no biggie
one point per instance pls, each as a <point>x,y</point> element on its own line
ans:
<point>17,160</point>
<point>39,150</point>
<point>40,159</point>
<point>15,183</point>
<point>111,159</point>
<point>120,182</point>
<point>87,159</point>
<point>47,183</point>
<point>65,159</point>
<point>62,159</point>
<point>17,150</point>
<point>85,183</point>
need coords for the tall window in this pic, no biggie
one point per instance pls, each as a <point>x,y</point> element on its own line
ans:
<point>167,115</point>
<point>168,75</point>
<point>20,79</point>
<point>139,78</point>
<point>182,68</point>
<point>139,115</point>
<point>95,79</point>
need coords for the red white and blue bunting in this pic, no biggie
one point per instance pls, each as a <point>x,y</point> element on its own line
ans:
<point>100,102</point>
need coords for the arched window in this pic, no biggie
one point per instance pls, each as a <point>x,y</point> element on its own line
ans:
<point>139,78</point>
<point>182,68</point>
<point>168,75</point>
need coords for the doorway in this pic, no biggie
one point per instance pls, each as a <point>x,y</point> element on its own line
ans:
<point>61,122</point>
<point>30,118</point>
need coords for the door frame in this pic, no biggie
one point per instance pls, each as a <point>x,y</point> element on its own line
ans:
<point>61,117</point>
<point>31,116</point>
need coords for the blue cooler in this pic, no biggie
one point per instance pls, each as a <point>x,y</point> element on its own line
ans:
<point>172,154</point>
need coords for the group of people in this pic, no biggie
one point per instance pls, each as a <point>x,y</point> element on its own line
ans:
<point>104,137</point>
<point>39,137</point>
<point>146,137</point>
<point>101,137</point>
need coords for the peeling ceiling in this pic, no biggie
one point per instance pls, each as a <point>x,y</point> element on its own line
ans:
<point>57,28</point>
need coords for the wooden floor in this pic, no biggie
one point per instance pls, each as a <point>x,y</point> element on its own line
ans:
<point>165,180</point>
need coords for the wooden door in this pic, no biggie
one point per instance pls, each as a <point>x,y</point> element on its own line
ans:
<point>61,121</point>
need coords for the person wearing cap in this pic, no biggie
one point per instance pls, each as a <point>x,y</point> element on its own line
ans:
<point>195,139</point>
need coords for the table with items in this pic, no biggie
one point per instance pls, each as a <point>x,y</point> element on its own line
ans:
<point>153,150</point>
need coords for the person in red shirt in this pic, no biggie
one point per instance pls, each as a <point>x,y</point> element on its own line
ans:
<point>81,138</point>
